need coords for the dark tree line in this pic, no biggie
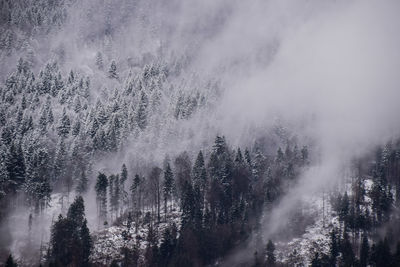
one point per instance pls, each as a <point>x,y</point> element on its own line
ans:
<point>220,196</point>
<point>70,243</point>
<point>369,215</point>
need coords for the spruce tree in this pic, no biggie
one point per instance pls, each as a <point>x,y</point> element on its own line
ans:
<point>334,248</point>
<point>10,262</point>
<point>141,112</point>
<point>15,164</point>
<point>124,178</point>
<point>112,71</point>
<point>86,243</point>
<point>270,252</point>
<point>199,173</point>
<point>70,243</point>
<point>99,61</point>
<point>347,250</point>
<point>168,186</point>
<point>64,125</point>
<point>364,251</point>
<point>101,196</point>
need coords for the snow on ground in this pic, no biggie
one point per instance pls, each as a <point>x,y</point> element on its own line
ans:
<point>108,243</point>
<point>316,238</point>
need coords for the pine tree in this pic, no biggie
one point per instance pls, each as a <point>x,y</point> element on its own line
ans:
<point>112,184</point>
<point>134,189</point>
<point>347,250</point>
<point>86,242</point>
<point>136,198</point>
<point>16,167</point>
<point>64,125</point>
<point>124,178</point>
<point>76,211</point>
<point>112,71</point>
<point>188,206</point>
<point>334,249</point>
<point>99,61</point>
<point>279,155</point>
<point>141,112</point>
<point>199,173</point>
<point>270,251</point>
<point>60,162</point>
<point>168,244</point>
<point>10,262</point>
<point>76,127</point>
<point>117,194</point>
<point>364,251</point>
<point>43,121</point>
<point>70,243</point>
<point>101,196</point>
<point>155,187</point>
<point>344,207</point>
<point>239,157</point>
<point>151,254</point>
<point>247,157</point>
<point>168,186</point>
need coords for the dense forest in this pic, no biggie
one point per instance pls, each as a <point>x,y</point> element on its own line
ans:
<point>147,133</point>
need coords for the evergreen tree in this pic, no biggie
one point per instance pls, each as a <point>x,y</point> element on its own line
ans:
<point>270,252</point>
<point>141,112</point>
<point>151,254</point>
<point>347,250</point>
<point>64,125</point>
<point>15,165</point>
<point>188,206</point>
<point>247,157</point>
<point>124,178</point>
<point>60,162</point>
<point>168,186</point>
<point>279,155</point>
<point>134,189</point>
<point>70,243</point>
<point>76,127</point>
<point>99,61</point>
<point>155,188</point>
<point>112,71</point>
<point>86,243</point>
<point>364,251</point>
<point>10,262</point>
<point>334,248</point>
<point>199,173</point>
<point>111,191</point>
<point>117,195</point>
<point>380,254</point>
<point>101,196</point>
<point>168,244</point>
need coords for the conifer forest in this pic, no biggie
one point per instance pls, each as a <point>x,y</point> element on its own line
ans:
<point>181,133</point>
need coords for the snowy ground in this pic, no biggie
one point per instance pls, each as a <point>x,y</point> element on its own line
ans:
<point>109,242</point>
<point>316,237</point>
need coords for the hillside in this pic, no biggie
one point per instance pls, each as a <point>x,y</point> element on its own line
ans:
<point>199,133</point>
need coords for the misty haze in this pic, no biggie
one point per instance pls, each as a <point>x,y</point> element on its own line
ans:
<point>200,133</point>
